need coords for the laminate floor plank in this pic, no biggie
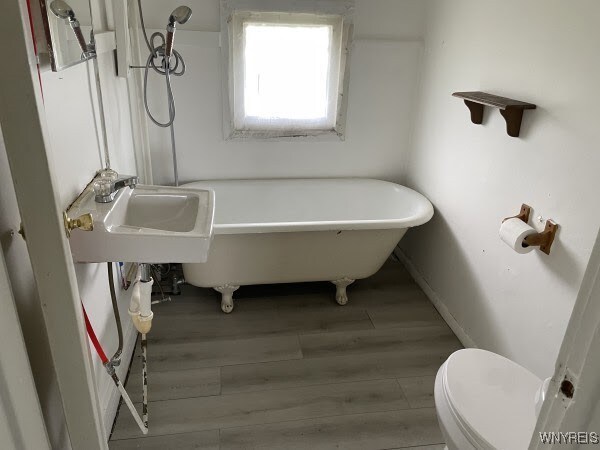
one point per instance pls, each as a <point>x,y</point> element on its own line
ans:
<point>226,411</point>
<point>418,391</point>
<point>416,311</point>
<point>203,440</point>
<point>174,384</point>
<point>358,297</point>
<point>170,329</point>
<point>197,353</point>
<point>421,447</point>
<point>361,342</point>
<point>345,368</point>
<point>351,432</point>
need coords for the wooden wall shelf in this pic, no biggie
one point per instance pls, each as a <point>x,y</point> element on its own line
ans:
<point>511,110</point>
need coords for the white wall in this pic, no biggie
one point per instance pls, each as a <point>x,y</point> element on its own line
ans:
<point>383,77</point>
<point>393,19</point>
<point>76,152</point>
<point>29,308</point>
<point>539,51</point>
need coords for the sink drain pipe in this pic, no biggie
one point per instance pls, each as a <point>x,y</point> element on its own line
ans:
<point>140,310</point>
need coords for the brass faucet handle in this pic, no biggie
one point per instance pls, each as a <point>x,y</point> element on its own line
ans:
<point>84,222</point>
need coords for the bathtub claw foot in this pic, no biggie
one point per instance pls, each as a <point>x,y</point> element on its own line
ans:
<point>226,297</point>
<point>341,296</point>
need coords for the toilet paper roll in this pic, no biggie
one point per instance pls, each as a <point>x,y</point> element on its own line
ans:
<point>513,232</point>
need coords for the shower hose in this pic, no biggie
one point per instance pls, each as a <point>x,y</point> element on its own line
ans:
<point>167,70</point>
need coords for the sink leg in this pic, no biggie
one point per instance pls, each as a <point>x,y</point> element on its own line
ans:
<point>226,291</point>
<point>341,297</point>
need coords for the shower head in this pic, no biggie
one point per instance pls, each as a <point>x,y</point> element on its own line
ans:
<point>62,10</point>
<point>180,15</point>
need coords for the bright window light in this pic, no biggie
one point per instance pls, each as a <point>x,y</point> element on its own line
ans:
<point>286,71</point>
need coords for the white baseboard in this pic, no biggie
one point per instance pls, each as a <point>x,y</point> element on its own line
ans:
<point>460,333</point>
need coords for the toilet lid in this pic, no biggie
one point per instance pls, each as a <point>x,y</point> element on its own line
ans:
<point>492,397</point>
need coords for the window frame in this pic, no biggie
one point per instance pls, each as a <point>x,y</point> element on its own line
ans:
<point>244,122</point>
<point>235,13</point>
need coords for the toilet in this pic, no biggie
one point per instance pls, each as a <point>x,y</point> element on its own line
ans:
<point>486,401</point>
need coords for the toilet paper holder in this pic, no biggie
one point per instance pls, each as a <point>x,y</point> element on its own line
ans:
<point>523,214</point>
<point>544,239</point>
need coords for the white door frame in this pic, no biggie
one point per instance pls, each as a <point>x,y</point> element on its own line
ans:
<point>23,124</point>
<point>21,418</point>
<point>578,363</point>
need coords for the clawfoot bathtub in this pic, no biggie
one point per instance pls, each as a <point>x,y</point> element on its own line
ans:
<point>293,230</point>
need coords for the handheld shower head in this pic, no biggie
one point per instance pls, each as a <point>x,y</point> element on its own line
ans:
<point>180,15</point>
<point>62,10</point>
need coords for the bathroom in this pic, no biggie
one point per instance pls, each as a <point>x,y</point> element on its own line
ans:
<point>286,361</point>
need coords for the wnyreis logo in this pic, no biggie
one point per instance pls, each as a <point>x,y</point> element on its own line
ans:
<point>571,437</point>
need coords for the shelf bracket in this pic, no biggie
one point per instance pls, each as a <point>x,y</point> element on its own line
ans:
<point>513,118</point>
<point>476,111</point>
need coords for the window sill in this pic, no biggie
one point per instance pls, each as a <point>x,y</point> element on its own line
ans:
<point>283,135</point>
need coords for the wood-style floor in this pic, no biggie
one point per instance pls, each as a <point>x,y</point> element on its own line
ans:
<point>291,369</point>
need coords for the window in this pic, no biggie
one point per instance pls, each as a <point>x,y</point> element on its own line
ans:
<point>286,74</point>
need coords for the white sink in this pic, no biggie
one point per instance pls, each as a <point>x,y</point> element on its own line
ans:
<point>150,224</point>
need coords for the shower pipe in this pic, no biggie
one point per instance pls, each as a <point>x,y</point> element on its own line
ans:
<point>165,50</point>
<point>142,423</point>
<point>63,10</point>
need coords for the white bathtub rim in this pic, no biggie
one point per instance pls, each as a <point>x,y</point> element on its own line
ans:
<point>424,214</point>
<point>354,225</point>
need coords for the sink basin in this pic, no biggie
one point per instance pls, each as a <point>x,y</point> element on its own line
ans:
<point>151,224</point>
<point>169,212</point>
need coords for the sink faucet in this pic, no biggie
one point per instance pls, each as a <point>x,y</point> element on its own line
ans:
<point>106,188</point>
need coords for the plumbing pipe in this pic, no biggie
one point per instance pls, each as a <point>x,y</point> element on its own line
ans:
<point>143,425</point>
<point>144,347</point>
<point>116,359</point>
<point>157,277</point>
<point>131,273</point>
<point>175,283</point>
<point>140,307</point>
<point>111,371</point>
<point>93,338</point>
